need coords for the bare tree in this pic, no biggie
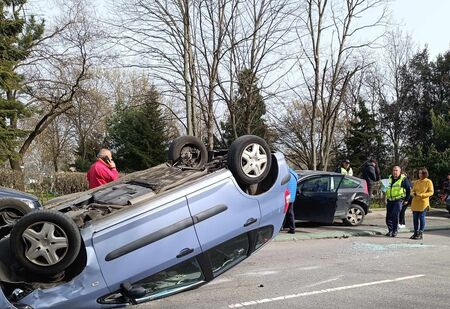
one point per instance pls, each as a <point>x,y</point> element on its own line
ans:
<point>387,84</point>
<point>327,70</point>
<point>55,71</point>
<point>258,41</point>
<point>56,143</point>
<point>158,36</point>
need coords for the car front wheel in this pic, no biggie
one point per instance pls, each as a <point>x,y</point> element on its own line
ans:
<point>45,242</point>
<point>355,215</point>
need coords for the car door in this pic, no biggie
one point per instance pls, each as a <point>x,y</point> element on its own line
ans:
<point>221,211</point>
<point>346,193</point>
<point>316,199</point>
<point>160,236</point>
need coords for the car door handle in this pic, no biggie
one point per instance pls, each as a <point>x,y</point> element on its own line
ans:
<point>185,252</point>
<point>250,222</point>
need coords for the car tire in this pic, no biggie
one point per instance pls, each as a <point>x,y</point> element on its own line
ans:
<point>12,210</point>
<point>188,151</point>
<point>45,242</point>
<point>249,159</point>
<point>355,215</point>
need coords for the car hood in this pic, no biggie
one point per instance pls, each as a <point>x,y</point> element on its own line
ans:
<point>8,192</point>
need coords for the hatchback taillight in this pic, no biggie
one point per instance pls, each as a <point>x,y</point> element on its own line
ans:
<point>287,199</point>
<point>366,189</point>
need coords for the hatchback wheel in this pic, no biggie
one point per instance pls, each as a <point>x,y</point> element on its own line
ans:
<point>45,242</point>
<point>249,159</point>
<point>188,151</point>
<point>355,215</point>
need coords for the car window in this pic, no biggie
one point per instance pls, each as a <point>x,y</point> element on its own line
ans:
<point>171,279</point>
<point>318,184</point>
<point>348,183</point>
<point>263,235</point>
<point>228,254</point>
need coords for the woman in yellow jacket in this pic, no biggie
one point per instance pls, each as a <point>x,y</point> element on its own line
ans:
<point>421,192</point>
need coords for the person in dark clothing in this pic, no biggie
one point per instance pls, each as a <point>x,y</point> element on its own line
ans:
<point>370,173</point>
<point>397,194</point>
<point>446,185</point>
<point>401,219</point>
<point>289,221</point>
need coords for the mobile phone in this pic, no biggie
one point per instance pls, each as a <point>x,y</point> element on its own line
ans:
<point>106,159</point>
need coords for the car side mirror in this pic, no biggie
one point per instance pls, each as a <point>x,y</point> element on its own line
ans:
<point>132,293</point>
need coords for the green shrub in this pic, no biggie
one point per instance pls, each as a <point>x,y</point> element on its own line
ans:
<point>70,182</point>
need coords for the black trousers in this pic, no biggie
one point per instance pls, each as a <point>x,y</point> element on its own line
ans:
<point>401,218</point>
<point>289,220</point>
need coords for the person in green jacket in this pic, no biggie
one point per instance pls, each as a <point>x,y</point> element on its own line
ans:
<point>345,168</point>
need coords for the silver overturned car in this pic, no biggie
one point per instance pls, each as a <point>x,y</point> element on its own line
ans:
<point>153,233</point>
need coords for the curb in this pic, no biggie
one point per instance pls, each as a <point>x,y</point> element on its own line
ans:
<point>346,234</point>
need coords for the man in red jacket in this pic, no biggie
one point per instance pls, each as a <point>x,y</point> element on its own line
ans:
<point>103,170</point>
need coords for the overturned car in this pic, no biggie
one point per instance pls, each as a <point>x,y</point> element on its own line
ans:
<point>151,234</point>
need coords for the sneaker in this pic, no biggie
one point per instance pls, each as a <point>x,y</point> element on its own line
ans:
<point>388,234</point>
<point>401,226</point>
<point>419,235</point>
<point>394,234</point>
<point>413,236</point>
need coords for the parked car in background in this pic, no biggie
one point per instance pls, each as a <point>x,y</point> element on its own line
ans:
<point>150,234</point>
<point>326,196</point>
<point>13,206</point>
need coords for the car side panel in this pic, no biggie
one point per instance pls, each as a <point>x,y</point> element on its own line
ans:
<point>222,211</point>
<point>146,244</point>
<point>272,202</point>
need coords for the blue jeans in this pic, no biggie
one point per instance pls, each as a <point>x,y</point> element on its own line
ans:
<point>392,212</point>
<point>419,220</point>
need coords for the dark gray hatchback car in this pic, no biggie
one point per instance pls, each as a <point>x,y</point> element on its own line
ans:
<point>326,196</point>
<point>13,206</point>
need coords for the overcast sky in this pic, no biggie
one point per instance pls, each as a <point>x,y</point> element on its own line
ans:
<point>428,22</point>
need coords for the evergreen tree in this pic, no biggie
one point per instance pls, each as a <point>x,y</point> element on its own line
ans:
<point>248,110</point>
<point>364,140</point>
<point>18,36</point>
<point>427,89</point>
<point>138,134</point>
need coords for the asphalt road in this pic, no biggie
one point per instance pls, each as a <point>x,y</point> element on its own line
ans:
<point>357,272</point>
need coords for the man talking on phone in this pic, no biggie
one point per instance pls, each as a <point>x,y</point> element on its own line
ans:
<point>103,170</point>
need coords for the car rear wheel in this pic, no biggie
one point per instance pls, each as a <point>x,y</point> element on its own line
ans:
<point>188,151</point>
<point>355,215</point>
<point>45,242</point>
<point>249,159</point>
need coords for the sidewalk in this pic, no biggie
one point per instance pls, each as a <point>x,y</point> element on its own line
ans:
<point>374,224</point>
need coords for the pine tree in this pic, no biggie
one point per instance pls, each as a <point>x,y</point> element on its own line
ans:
<point>365,139</point>
<point>139,134</point>
<point>248,109</point>
<point>18,36</point>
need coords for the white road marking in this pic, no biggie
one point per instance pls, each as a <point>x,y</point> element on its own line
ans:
<point>323,282</point>
<point>341,288</point>
<point>260,273</point>
<point>308,268</point>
